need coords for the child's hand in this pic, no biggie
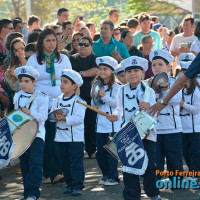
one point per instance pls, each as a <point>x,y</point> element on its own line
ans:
<point>181,103</point>
<point>112,118</point>
<point>60,117</point>
<point>102,92</point>
<point>26,111</point>
<point>164,86</point>
<point>144,106</point>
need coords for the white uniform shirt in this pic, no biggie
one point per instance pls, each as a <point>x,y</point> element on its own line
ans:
<point>73,129</point>
<point>38,108</point>
<point>103,125</point>
<point>190,114</point>
<point>169,119</point>
<point>44,82</point>
<point>128,101</point>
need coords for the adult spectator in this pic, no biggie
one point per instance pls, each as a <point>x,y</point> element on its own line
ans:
<point>147,45</point>
<point>30,49</point>
<point>58,31</point>
<point>75,41</point>
<point>17,26</point>
<point>144,20</point>
<point>33,37</point>
<point>170,36</point>
<point>9,38</point>
<point>114,16</point>
<point>79,25</point>
<point>6,27</point>
<point>181,43</point>
<point>33,22</point>
<point>127,39</point>
<point>195,48</point>
<point>84,63</point>
<point>67,29</point>
<point>92,28</point>
<point>117,34</point>
<point>85,31</point>
<point>62,15</point>
<point>108,46</point>
<point>49,63</point>
<point>17,60</point>
<point>133,25</point>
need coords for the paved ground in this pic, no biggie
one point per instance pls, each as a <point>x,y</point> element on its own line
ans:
<point>11,188</point>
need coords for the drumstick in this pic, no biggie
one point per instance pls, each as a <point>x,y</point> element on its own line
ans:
<point>94,109</point>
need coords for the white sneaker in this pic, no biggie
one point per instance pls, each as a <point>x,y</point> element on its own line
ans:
<point>156,198</point>
<point>111,181</point>
<point>103,180</point>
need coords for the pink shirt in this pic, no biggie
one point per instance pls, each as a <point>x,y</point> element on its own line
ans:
<point>3,49</point>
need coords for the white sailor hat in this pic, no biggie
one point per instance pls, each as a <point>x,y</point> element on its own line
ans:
<point>73,76</point>
<point>135,62</point>
<point>27,71</point>
<point>187,57</point>
<point>107,61</point>
<point>159,53</point>
<point>119,69</point>
<point>184,65</point>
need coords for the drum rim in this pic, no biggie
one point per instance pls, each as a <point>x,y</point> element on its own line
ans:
<point>30,142</point>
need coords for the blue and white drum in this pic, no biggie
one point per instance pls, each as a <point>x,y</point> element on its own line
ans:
<point>24,129</point>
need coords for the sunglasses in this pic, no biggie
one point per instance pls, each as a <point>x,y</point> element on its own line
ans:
<point>20,48</point>
<point>117,33</point>
<point>60,33</point>
<point>84,44</point>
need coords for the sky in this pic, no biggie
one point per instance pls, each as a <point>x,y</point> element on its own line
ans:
<point>186,4</point>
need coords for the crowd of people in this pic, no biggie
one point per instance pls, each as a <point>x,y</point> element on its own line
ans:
<point>59,64</point>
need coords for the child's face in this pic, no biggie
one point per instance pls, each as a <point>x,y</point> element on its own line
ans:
<point>105,72</point>
<point>67,87</point>
<point>27,85</point>
<point>159,65</point>
<point>134,76</point>
<point>122,78</point>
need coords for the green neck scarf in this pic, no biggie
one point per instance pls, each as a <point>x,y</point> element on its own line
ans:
<point>198,38</point>
<point>50,67</point>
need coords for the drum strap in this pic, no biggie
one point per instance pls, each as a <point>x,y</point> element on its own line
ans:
<point>29,101</point>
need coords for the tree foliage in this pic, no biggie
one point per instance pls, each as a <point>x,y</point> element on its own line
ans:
<point>149,5</point>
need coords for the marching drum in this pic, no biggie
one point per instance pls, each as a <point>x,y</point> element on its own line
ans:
<point>142,121</point>
<point>24,129</point>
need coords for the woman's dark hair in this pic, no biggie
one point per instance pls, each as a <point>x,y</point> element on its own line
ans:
<point>193,84</point>
<point>110,83</point>
<point>14,60</point>
<point>96,37</point>
<point>30,47</point>
<point>124,34</point>
<point>73,50</point>
<point>88,39</point>
<point>33,37</point>
<point>39,45</point>
<point>10,37</point>
<point>197,30</point>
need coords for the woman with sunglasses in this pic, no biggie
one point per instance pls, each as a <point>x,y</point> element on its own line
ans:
<point>84,63</point>
<point>17,59</point>
<point>117,34</point>
<point>74,44</point>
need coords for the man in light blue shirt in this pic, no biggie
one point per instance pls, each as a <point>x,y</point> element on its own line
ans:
<point>144,20</point>
<point>107,46</point>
